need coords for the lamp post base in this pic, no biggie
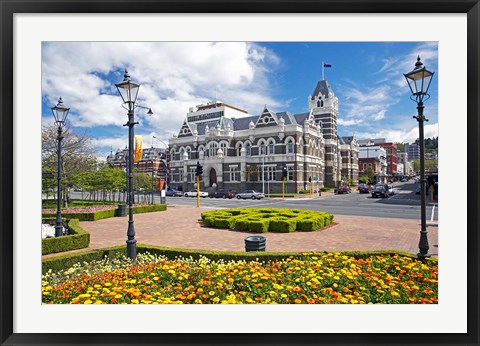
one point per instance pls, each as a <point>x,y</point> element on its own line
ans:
<point>58,225</point>
<point>132,249</point>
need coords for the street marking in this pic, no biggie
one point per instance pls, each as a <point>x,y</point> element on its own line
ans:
<point>433,213</point>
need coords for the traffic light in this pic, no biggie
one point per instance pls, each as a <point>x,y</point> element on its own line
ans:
<point>310,179</point>
<point>199,170</point>
<point>284,172</point>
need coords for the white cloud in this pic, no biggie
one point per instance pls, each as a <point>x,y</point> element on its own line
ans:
<point>173,76</point>
<point>401,136</point>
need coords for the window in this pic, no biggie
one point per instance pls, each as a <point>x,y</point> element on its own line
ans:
<point>239,150</point>
<point>262,149</point>
<point>212,149</point>
<point>234,174</point>
<point>180,174</point>
<point>290,172</point>
<point>290,147</point>
<point>223,146</point>
<point>249,150</point>
<point>271,148</point>
<point>191,175</point>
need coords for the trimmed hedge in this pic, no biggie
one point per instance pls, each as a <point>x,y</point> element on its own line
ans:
<point>104,214</point>
<point>261,220</point>
<point>78,239</point>
<point>63,262</point>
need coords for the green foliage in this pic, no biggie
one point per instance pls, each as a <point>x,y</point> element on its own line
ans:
<point>78,239</point>
<point>303,192</point>
<point>261,220</point>
<point>104,214</point>
<point>63,262</point>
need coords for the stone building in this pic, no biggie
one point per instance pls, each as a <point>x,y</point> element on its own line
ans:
<point>239,151</point>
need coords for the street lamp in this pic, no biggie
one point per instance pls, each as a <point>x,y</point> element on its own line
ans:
<point>419,80</point>
<point>60,113</point>
<point>128,90</point>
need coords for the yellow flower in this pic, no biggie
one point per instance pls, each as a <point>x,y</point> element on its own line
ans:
<point>211,293</point>
<point>88,301</point>
<point>134,301</point>
<point>216,300</point>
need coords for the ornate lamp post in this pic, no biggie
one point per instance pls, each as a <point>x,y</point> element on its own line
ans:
<point>128,90</point>
<point>60,113</point>
<point>419,80</point>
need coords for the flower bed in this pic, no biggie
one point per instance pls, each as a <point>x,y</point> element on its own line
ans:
<point>102,212</point>
<point>261,220</point>
<point>314,278</point>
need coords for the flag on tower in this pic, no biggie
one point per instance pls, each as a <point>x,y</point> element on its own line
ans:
<point>324,64</point>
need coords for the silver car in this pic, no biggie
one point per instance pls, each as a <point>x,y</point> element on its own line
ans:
<point>193,193</point>
<point>250,194</point>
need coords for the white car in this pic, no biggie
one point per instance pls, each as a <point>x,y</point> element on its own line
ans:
<point>193,193</point>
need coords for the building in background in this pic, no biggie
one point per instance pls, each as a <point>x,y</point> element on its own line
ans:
<point>373,157</point>
<point>239,151</point>
<point>154,161</point>
<point>413,151</point>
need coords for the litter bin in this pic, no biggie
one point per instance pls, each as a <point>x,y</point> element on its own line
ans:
<point>122,210</point>
<point>255,243</point>
<point>163,197</point>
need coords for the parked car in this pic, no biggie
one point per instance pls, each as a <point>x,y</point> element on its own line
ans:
<point>343,189</point>
<point>222,194</point>
<point>174,193</point>
<point>390,190</point>
<point>364,188</point>
<point>252,194</point>
<point>380,190</point>
<point>193,193</point>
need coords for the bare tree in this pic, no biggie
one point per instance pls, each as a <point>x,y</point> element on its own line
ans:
<point>78,154</point>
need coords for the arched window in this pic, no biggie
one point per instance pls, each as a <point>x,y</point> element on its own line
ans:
<point>262,149</point>
<point>239,149</point>
<point>318,103</point>
<point>271,148</point>
<point>321,103</point>
<point>248,148</point>
<point>290,146</point>
<point>212,149</point>
<point>223,146</point>
<point>189,153</point>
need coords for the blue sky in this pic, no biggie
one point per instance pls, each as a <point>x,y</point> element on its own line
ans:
<point>367,78</point>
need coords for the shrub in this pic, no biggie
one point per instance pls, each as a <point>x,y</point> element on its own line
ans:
<point>262,220</point>
<point>78,239</point>
<point>282,225</point>
<point>302,192</point>
<point>259,226</point>
<point>310,225</point>
<point>103,214</point>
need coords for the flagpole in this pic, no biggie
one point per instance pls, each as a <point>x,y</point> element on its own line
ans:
<point>323,71</point>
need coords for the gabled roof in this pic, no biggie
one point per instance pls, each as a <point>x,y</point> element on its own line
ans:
<point>322,88</point>
<point>265,118</point>
<point>300,118</point>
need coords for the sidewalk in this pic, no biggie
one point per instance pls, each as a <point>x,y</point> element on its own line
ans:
<point>180,227</point>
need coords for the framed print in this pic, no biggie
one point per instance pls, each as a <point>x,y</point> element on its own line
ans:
<point>273,117</point>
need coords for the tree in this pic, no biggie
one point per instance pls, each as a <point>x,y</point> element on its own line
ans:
<point>77,155</point>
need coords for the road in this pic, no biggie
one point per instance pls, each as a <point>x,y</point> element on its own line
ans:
<point>405,204</point>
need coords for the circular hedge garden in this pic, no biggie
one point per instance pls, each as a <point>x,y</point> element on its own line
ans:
<point>262,220</point>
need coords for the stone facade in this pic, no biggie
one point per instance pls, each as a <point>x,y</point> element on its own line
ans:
<point>239,151</point>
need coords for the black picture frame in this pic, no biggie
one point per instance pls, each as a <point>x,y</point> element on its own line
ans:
<point>10,7</point>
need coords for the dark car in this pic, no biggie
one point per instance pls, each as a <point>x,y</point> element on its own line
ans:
<point>380,190</point>
<point>343,189</point>
<point>174,193</point>
<point>364,188</point>
<point>222,194</point>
